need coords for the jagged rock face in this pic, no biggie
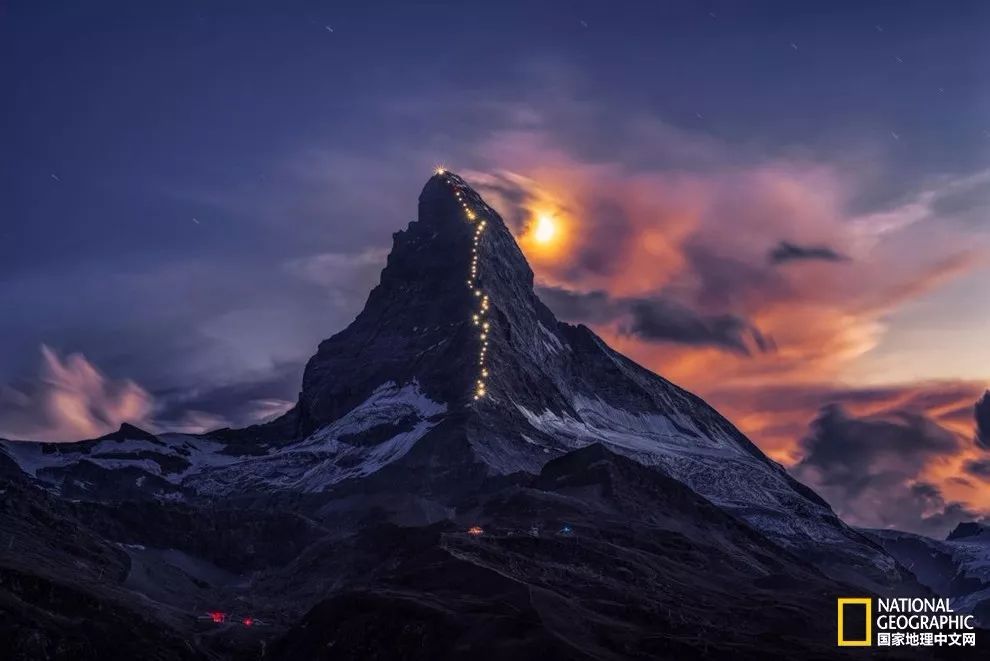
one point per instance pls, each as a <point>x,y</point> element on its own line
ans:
<point>542,375</point>
<point>549,387</point>
<point>415,325</point>
<point>971,531</point>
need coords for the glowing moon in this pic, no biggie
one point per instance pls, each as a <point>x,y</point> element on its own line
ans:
<point>545,229</point>
<point>547,235</point>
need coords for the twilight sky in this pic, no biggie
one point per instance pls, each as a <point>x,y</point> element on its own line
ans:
<point>781,206</point>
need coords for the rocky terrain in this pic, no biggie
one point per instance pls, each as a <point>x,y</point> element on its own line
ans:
<point>957,567</point>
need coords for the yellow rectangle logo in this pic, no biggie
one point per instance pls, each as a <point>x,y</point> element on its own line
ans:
<point>867,640</point>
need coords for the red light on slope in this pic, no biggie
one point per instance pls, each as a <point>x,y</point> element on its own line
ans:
<point>248,621</point>
<point>218,617</point>
<point>476,531</point>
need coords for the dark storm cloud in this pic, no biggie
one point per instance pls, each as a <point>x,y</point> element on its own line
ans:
<point>656,319</point>
<point>594,307</point>
<point>936,516</point>
<point>982,414</point>
<point>785,251</point>
<point>870,470</point>
<point>978,468</point>
<point>854,453</point>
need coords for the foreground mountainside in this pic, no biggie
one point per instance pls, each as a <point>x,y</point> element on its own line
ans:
<point>618,561</point>
<point>616,515</point>
<point>596,557</point>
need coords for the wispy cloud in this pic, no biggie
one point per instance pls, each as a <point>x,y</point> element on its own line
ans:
<point>71,399</point>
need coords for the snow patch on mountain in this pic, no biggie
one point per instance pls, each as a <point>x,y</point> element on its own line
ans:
<point>640,435</point>
<point>708,462</point>
<point>375,433</point>
<point>338,451</point>
<point>550,341</point>
<point>172,458</point>
<point>386,404</point>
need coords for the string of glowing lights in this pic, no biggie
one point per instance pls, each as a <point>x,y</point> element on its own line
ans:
<point>480,316</point>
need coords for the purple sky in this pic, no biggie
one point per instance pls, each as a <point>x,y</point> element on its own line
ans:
<point>193,197</point>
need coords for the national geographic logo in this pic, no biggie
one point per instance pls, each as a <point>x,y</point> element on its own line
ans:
<point>902,622</point>
<point>855,621</point>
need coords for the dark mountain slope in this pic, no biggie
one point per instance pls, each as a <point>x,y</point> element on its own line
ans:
<point>597,557</point>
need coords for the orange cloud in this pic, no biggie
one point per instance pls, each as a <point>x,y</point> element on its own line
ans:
<point>703,238</point>
<point>71,400</point>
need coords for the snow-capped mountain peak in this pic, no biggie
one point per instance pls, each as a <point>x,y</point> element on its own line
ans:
<point>455,373</point>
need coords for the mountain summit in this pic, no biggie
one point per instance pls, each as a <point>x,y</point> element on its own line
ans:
<point>456,357</point>
<point>429,318</point>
